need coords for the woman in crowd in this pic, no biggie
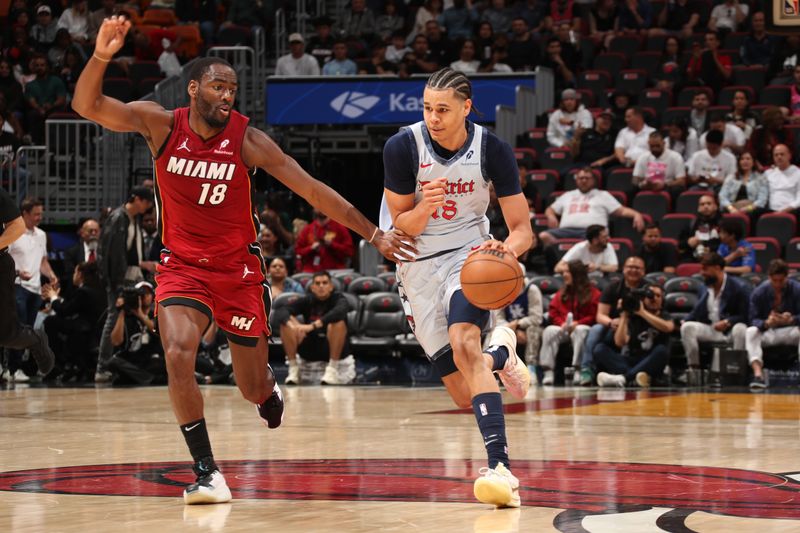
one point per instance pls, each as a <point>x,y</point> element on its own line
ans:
<point>572,312</point>
<point>746,192</point>
<point>279,279</point>
<point>741,115</point>
<point>682,138</point>
<point>466,58</point>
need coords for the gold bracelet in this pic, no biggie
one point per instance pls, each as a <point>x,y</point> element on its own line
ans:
<point>100,58</point>
<point>373,235</point>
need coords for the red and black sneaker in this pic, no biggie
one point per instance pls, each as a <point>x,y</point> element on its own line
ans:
<point>271,411</point>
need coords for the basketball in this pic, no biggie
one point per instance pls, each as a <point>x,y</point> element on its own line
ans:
<point>491,279</point>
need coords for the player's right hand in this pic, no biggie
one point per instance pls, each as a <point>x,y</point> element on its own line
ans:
<point>111,36</point>
<point>433,193</point>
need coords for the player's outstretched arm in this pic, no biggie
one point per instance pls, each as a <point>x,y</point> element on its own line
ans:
<point>261,151</point>
<point>89,101</point>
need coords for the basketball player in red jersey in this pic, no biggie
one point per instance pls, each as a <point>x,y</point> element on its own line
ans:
<point>212,267</point>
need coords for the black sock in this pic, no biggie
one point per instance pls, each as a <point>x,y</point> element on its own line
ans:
<point>500,355</point>
<point>488,408</point>
<point>196,436</point>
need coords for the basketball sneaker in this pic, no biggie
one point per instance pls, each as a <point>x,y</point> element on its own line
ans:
<point>497,486</point>
<point>293,377</point>
<point>210,486</point>
<point>604,379</point>
<point>331,375</point>
<point>271,411</point>
<point>514,375</point>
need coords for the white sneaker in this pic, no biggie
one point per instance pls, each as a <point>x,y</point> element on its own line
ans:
<point>20,377</point>
<point>103,376</point>
<point>576,378</point>
<point>604,379</point>
<point>514,375</point>
<point>497,486</point>
<point>331,375</point>
<point>549,378</point>
<point>210,488</point>
<point>293,377</point>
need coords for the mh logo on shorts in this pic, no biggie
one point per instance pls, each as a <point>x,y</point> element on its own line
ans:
<point>241,322</point>
<point>353,104</point>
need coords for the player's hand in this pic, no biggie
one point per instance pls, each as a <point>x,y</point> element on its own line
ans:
<point>492,244</point>
<point>111,36</point>
<point>433,194</point>
<point>395,245</point>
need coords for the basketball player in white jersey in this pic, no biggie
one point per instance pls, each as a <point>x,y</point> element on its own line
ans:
<point>437,176</point>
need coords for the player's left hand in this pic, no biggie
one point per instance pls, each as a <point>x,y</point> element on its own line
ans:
<point>396,245</point>
<point>492,244</point>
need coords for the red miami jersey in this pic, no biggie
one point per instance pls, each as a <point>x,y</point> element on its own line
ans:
<point>204,192</point>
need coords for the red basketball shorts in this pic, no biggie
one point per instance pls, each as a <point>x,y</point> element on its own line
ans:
<point>233,291</point>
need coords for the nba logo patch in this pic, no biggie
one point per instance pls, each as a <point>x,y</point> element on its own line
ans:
<point>791,7</point>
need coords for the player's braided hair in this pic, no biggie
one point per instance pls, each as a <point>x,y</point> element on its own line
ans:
<point>448,78</point>
<point>200,67</point>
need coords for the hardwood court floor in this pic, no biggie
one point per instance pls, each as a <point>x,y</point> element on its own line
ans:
<point>353,459</point>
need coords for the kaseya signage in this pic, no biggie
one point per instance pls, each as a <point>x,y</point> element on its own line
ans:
<point>374,99</point>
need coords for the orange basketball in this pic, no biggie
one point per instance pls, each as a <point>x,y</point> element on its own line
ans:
<point>491,279</point>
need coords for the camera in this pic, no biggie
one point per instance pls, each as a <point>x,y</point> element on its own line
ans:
<point>633,299</point>
<point>130,298</point>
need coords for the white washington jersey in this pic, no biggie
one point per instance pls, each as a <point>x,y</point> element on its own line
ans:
<point>411,160</point>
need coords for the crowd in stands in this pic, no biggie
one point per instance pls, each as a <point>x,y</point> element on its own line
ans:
<point>669,153</point>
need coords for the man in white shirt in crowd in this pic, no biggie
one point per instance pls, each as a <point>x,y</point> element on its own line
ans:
<point>297,62</point>
<point>709,167</point>
<point>660,168</point>
<point>728,15</point>
<point>733,138</point>
<point>632,139</point>
<point>570,117</point>
<point>582,207</point>
<point>784,181</point>
<point>594,252</point>
<point>30,260</point>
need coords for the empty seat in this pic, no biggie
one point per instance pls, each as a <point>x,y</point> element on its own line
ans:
<point>684,284</point>
<point>547,284</point>
<point>655,43</point>
<point>680,304</point>
<point>345,278</point>
<point>146,86</point>
<point>631,81</point>
<point>594,80</point>
<point>687,269</point>
<point>558,159</point>
<point>659,278</point>
<point>382,319</point>
<point>654,203</point>
<point>390,278</point>
<point>656,99</point>
<point>775,95</point>
<point>536,138</point>
<point>734,40</point>
<point>621,179</point>
<point>545,181</point>
<point>647,61</point>
<point>623,247</point>
<point>782,226</point>
<point>751,76</point>
<point>526,157</point>
<point>754,278</point>
<point>626,45</point>
<point>365,285</point>
<point>622,227</point>
<point>793,251</point>
<point>303,278</point>
<point>674,225</point>
<point>611,63</point>
<point>114,70</point>
<point>767,249</point>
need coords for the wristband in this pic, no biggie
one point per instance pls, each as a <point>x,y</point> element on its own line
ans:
<point>100,58</point>
<point>373,235</point>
